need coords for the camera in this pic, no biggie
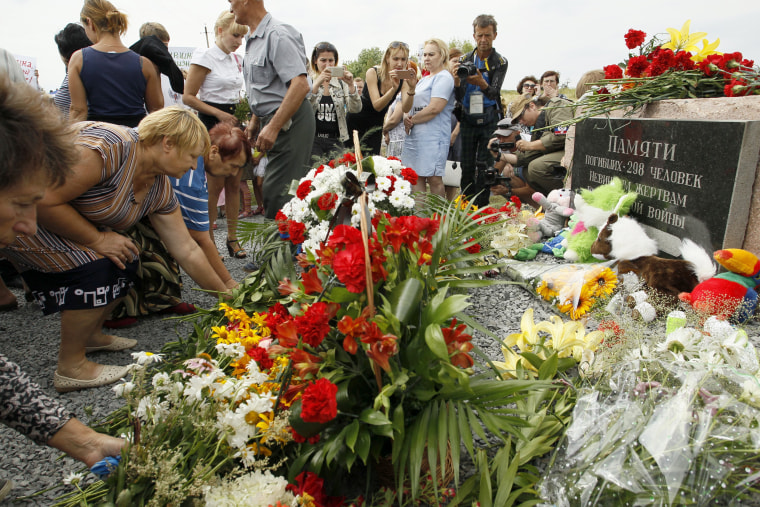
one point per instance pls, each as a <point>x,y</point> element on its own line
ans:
<point>497,146</point>
<point>466,69</point>
<point>492,177</point>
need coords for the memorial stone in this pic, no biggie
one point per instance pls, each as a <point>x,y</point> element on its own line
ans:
<point>694,178</point>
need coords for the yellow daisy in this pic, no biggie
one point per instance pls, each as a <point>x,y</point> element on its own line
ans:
<point>601,282</point>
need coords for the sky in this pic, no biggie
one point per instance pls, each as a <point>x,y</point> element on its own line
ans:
<point>535,35</point>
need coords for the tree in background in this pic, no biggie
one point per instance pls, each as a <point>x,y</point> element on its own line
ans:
<point>366,59</point>
<point>465,45</point>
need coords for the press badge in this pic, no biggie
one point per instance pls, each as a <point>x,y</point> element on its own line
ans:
<point>476,103</point>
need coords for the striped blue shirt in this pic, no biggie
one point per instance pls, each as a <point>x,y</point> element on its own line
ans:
<point>192,194</point>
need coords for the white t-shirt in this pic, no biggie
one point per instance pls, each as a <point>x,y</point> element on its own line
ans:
<point>225,81</point>
<point>171,98</point>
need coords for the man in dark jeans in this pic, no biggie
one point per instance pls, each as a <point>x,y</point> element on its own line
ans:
<point>478,79</point>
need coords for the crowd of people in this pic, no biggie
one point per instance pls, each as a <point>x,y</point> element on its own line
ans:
<point>125,171</point>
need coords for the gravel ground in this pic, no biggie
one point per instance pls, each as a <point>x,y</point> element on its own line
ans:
<point>31,340</point>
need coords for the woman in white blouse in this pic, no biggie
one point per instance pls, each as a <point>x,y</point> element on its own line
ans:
<point>213,89</point>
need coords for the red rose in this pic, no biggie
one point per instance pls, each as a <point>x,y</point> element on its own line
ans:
<point>318,404</point>
<point>613,72</point>
<point>327,201</point>
<point>634,38</point>
<point>637,65</point>
<point>314,325</point>
<point>303,189</point>
<point>295,231</point>
<point>409,175</point>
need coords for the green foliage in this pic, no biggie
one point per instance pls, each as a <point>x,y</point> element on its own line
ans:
<point>465,45</point>
<point>243,110</point>
<point>367,58</point>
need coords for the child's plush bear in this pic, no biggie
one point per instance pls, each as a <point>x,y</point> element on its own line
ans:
<point>557,208</point>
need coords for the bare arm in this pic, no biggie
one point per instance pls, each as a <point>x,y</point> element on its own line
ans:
<point>56,214</point>
<point>428,112</point>
<point>212,254</point>
<point>195,78</point>
<point>393,118</point>
<point>380,101</point>
<point>294,97</point>
<point>154,98</point>
<point>173,232</point>
<point>78,108</point>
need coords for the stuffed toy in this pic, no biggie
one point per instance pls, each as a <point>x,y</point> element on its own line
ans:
<point>557,208</point>
<point>623,239</point>
<point>592,209</point>
<point>731,295</point>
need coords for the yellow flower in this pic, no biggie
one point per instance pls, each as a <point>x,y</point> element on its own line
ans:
<point>563,334</point>
<point>587,342</point>
<point>683,40</point>
<point>529,337</point>
<point>707,50</point>
<point>576,311</point>
<point>509,366</point>
<point>601,282</point>
<point>545,291</point>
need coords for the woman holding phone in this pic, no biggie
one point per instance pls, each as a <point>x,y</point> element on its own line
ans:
<point>382,86</point>
<point>332,96</point>
<point>428,123</point>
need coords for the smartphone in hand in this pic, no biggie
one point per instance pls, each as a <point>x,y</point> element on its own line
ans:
<point>336,71</point>
<point>405,74</point>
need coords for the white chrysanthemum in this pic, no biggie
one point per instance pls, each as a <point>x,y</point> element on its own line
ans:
<point>403,186</point>
<point>234,429</point>
<point>383,184</point>
<point>123,388</point>
<point>254,373</point>
<point>233,350</point>
<point>300,210</point>
<point>377,196</point>
<point>256,488</point>
<point>146,358</point>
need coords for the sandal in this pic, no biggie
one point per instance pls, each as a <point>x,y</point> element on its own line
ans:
<point>258,211</point>
<point>245,214</point>
<point>238,252</point>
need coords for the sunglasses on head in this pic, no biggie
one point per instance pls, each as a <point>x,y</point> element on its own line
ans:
<point>396,44</point>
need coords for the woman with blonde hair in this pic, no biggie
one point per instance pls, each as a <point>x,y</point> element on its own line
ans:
<point>80,263</point>
<point>331,98</point>
<point>213,88</point>
<point>428,122</point>
<point>380,89</point>
<point>107,81</point>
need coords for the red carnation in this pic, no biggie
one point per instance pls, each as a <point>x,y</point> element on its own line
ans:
<point>296,231</point>
<point>314,325</point>
<point>637,65</point>
<point>261,356</point>
<point>318,404</point>
<point>634,38</point>
<point>613,72</point>
<point>303,189</point>
<point>282,222</point>
<point>327,201</point>
<point>349,267</point>
<point>409,175</point>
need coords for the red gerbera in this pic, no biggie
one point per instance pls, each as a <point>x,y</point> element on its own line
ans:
<point>634,38</point>
<point>318,404</point>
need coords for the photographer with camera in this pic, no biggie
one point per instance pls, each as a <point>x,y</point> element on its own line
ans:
<point>479,76</point>
<point>502,147</point>
<point>536,165</point>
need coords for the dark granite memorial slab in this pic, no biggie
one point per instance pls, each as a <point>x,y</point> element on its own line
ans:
<point>694,178</point>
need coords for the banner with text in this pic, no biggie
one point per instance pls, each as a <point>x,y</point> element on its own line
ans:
<point>694,178</point>
<point>28,66</point>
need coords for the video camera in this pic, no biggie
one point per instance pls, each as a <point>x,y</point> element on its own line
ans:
<point>497,146</point>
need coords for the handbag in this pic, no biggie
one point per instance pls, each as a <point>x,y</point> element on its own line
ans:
<point>453,175</point>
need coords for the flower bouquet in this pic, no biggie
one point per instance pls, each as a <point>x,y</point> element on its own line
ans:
<point>669,69</point>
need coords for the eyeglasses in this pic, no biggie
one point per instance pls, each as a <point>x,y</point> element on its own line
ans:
<point>396,44</point>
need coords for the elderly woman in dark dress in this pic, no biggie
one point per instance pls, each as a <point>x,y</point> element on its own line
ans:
<point>28,122</point>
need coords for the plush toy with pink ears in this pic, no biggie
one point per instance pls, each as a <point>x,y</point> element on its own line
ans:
<point>731,295</point>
